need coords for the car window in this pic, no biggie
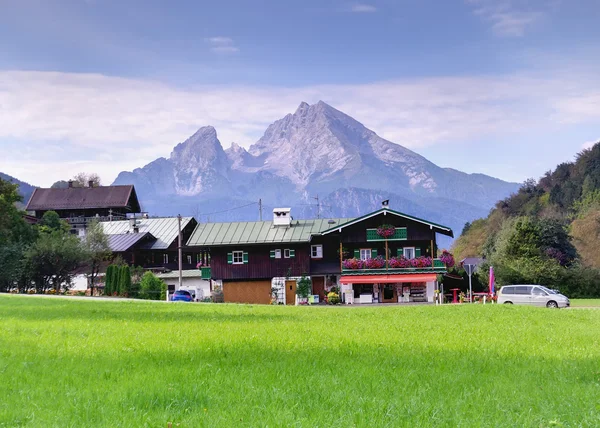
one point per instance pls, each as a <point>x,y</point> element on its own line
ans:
<point>182,292</point>
<point>547,290</point>
<point>538,292</point>
<point>508,290</point>
<point>523,289</point>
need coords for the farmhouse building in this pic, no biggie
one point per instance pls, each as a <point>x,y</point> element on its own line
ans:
<point>152,242</point>
<point>382,257</point>
<point>80,205</point>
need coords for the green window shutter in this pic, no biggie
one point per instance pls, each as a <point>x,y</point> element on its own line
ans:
<point>357,254</point>
<point>401,233</point>
<point>374,252</point>
<point>292,253</point>
<point>245,257</point>
<point>272,254</point>
<point>417,252</point>
<point>229,258</point>
<point>400,252</point>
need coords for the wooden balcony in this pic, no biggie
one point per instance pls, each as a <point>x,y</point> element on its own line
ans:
<point>436,267</point>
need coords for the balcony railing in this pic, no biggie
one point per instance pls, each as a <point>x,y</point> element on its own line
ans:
<point>400,234</point>
<point>375,268</point>
<point>205,272</point>
<point>86,220</point>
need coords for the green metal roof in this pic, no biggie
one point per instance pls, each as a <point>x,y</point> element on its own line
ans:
<point>259,232</point>
<point>444,230</point>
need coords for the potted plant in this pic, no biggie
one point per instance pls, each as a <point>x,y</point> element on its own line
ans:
<point>386,231</point>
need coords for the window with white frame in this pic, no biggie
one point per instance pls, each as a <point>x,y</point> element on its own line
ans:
<point>365,253</point>
<point>165,258</point>
<point>316,251</point>
<point>286,253</point>
<point>409,252</point>
<point>238,257</point>
<point>189,260</point>
<point>278,254</point>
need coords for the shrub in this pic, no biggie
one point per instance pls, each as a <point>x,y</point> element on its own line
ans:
<point>303,287</point>
<point>333,298</point>
<point>152,288</point>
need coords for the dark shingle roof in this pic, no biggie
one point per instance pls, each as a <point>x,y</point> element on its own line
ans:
<point>124,241</point>
<point>84,198</point>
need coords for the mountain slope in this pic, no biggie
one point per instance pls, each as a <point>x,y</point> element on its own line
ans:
<point>25,189</point>
<point>317,150</point>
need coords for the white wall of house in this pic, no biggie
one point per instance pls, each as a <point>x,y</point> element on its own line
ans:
<point>80,283</point>
<point>430,290</point>
<point>199,288</point>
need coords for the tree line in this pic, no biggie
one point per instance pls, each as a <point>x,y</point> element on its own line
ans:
<point>546,233</point>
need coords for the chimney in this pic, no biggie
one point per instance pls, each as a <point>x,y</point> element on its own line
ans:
<point>91,183</point>
<point>282,217</point>
<point>70,182</point>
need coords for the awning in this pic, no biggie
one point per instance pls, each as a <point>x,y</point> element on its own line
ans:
<point>379,279</point>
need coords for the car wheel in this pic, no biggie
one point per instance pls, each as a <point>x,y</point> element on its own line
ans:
<point>508,303</point>
<point>552,304</point>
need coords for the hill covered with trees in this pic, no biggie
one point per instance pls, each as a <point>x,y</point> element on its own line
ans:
<point>546,233</point>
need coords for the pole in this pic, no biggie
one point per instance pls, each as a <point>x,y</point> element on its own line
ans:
<point>470,288</point>
<point>180,255</point>
<point>260,209</point>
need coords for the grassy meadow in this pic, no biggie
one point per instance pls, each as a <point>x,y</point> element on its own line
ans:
<point>74,363</point>
<point>585,303</point>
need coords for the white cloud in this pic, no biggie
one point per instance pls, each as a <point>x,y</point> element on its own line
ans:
<point>363,8</point>
<point>590,144</point>
<point>223,45</point>
<point>53,125</point>
<point>511,18</point>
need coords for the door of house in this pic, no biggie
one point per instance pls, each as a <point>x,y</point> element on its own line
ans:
<point>290,292</point>
<point>318,287</point>
<point>389,293</point>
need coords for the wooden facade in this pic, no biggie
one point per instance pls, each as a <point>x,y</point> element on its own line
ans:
<point>256,262</point>
<point>260,264</point>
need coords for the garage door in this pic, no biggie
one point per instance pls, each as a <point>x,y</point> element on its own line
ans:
<point>247,292</point>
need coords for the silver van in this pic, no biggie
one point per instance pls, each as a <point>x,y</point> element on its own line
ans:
<point>536,295</point>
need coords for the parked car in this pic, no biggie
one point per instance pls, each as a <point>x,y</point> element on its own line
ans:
<point>182,296</point>
<point>535,295</point>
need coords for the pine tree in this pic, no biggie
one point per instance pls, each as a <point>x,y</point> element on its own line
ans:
<point>124,281</point>
<point>108,280</point>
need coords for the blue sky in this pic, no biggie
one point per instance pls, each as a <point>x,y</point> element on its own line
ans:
<point>509,88</point>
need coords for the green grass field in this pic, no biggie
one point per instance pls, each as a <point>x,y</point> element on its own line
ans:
<point>73,363</point>
<point>587,303</point>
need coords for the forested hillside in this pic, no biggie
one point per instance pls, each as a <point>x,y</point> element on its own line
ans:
<point>548,232</point>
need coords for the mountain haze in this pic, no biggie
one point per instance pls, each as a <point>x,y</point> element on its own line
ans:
<point>317,150</point>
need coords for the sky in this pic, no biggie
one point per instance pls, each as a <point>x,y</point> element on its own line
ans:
<point>508,88</point>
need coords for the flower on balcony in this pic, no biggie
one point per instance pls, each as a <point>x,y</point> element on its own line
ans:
<point>421,262</point>
<point>374,263</point>
<point>398,262</point>
<point>386,231</point>
<point>199,265</point>
<point>447,258</point>
<point>352,263</point>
